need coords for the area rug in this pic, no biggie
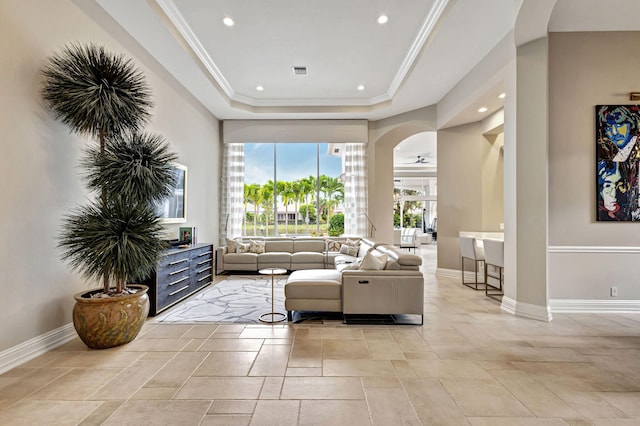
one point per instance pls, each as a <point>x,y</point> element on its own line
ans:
<point>235,299</point>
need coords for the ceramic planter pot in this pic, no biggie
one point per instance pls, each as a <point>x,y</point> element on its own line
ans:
<point>108,322</point>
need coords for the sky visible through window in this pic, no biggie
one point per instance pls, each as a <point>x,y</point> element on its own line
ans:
<point>295,161</point>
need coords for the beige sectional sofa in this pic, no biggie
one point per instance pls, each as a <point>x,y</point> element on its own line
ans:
<point>289,253</point>
<point>326,280</point>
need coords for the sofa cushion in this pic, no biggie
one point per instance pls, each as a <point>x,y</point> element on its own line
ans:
<point>343,258</point>
<point>308,245</point>
<point>330,257</point>
<point>274,257</point>
<point>279,246</point>
<point>246,258</point>
<point>314,284</point>
<point>307,257</point>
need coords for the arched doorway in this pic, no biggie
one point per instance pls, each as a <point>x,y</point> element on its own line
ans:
<point>415,185</point>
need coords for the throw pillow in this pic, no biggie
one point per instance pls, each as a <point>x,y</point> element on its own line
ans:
<point>256,247</point>
<point>333,245</point>
<point>351,242</point>
<point>349,250</point>
<point>232,245</point>
<point>371,262</point>
<point>243,248</point>
<point>392,265</point>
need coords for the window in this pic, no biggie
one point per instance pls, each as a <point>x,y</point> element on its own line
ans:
<point>415,202</point>
<point>291,188</point>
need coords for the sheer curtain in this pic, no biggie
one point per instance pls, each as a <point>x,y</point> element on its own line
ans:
<point>356,220</point>
<point>232,192</point>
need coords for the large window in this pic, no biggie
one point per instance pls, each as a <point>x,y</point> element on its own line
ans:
<point>292,189</point>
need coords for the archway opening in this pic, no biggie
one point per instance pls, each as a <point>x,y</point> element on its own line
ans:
<point>415,186</point>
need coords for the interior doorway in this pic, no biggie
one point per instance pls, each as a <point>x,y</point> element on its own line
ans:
<point>415,201</point>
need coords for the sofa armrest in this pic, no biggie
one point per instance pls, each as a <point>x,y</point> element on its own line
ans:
<point>220,252</point>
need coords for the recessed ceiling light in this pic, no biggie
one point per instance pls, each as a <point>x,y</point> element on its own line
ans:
<point>228,21</point>
<point>361,88</point>
<point>483,109</point>
<point>259,88</point>
<point>501,95</point>
<point>383,19</point>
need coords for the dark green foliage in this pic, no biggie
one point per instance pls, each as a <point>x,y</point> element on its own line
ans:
<point>95,92</point>
<point>135,165</point>
<point>119,238</point>
<point>336,225</point>
<point>116,239</point>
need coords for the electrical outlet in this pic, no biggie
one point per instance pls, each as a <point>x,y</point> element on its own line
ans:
<point>614,291</point>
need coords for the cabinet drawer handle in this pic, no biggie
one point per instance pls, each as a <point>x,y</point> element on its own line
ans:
<point>203,269</point>
<point>179,281</point>
<point>205,253</point>
<point>178,261</point>
<point>363,281</point>
<point>179,290</point>
<point>179,271</point>
<point>203,262</point>
<point>204,278</point>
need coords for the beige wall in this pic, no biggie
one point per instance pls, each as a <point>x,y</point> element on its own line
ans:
<point>493,182</point>
<point>39,163</point>
<point>460,188</point>
<point>587,257</point>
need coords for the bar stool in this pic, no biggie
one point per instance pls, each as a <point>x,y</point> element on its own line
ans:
<point>494,267</point>
<point>470,250</point>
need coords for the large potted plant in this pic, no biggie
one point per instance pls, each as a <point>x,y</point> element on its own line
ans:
<point>117,237</point>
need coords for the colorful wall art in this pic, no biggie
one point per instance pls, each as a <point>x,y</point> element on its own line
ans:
<point>617,156</point>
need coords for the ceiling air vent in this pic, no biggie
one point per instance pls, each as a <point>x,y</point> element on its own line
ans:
<point>297,70</point>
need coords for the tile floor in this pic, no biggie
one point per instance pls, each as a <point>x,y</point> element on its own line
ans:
<point>469,364</point>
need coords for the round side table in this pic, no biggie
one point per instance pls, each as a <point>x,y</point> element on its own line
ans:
<point>272,316</point>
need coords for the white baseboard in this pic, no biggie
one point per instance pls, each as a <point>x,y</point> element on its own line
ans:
<point>17,355</point>
<point>526,310</point>
<point>594,306</point>
<point>593,249</point>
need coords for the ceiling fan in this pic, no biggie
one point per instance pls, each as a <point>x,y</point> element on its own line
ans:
<point>421,160</point>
